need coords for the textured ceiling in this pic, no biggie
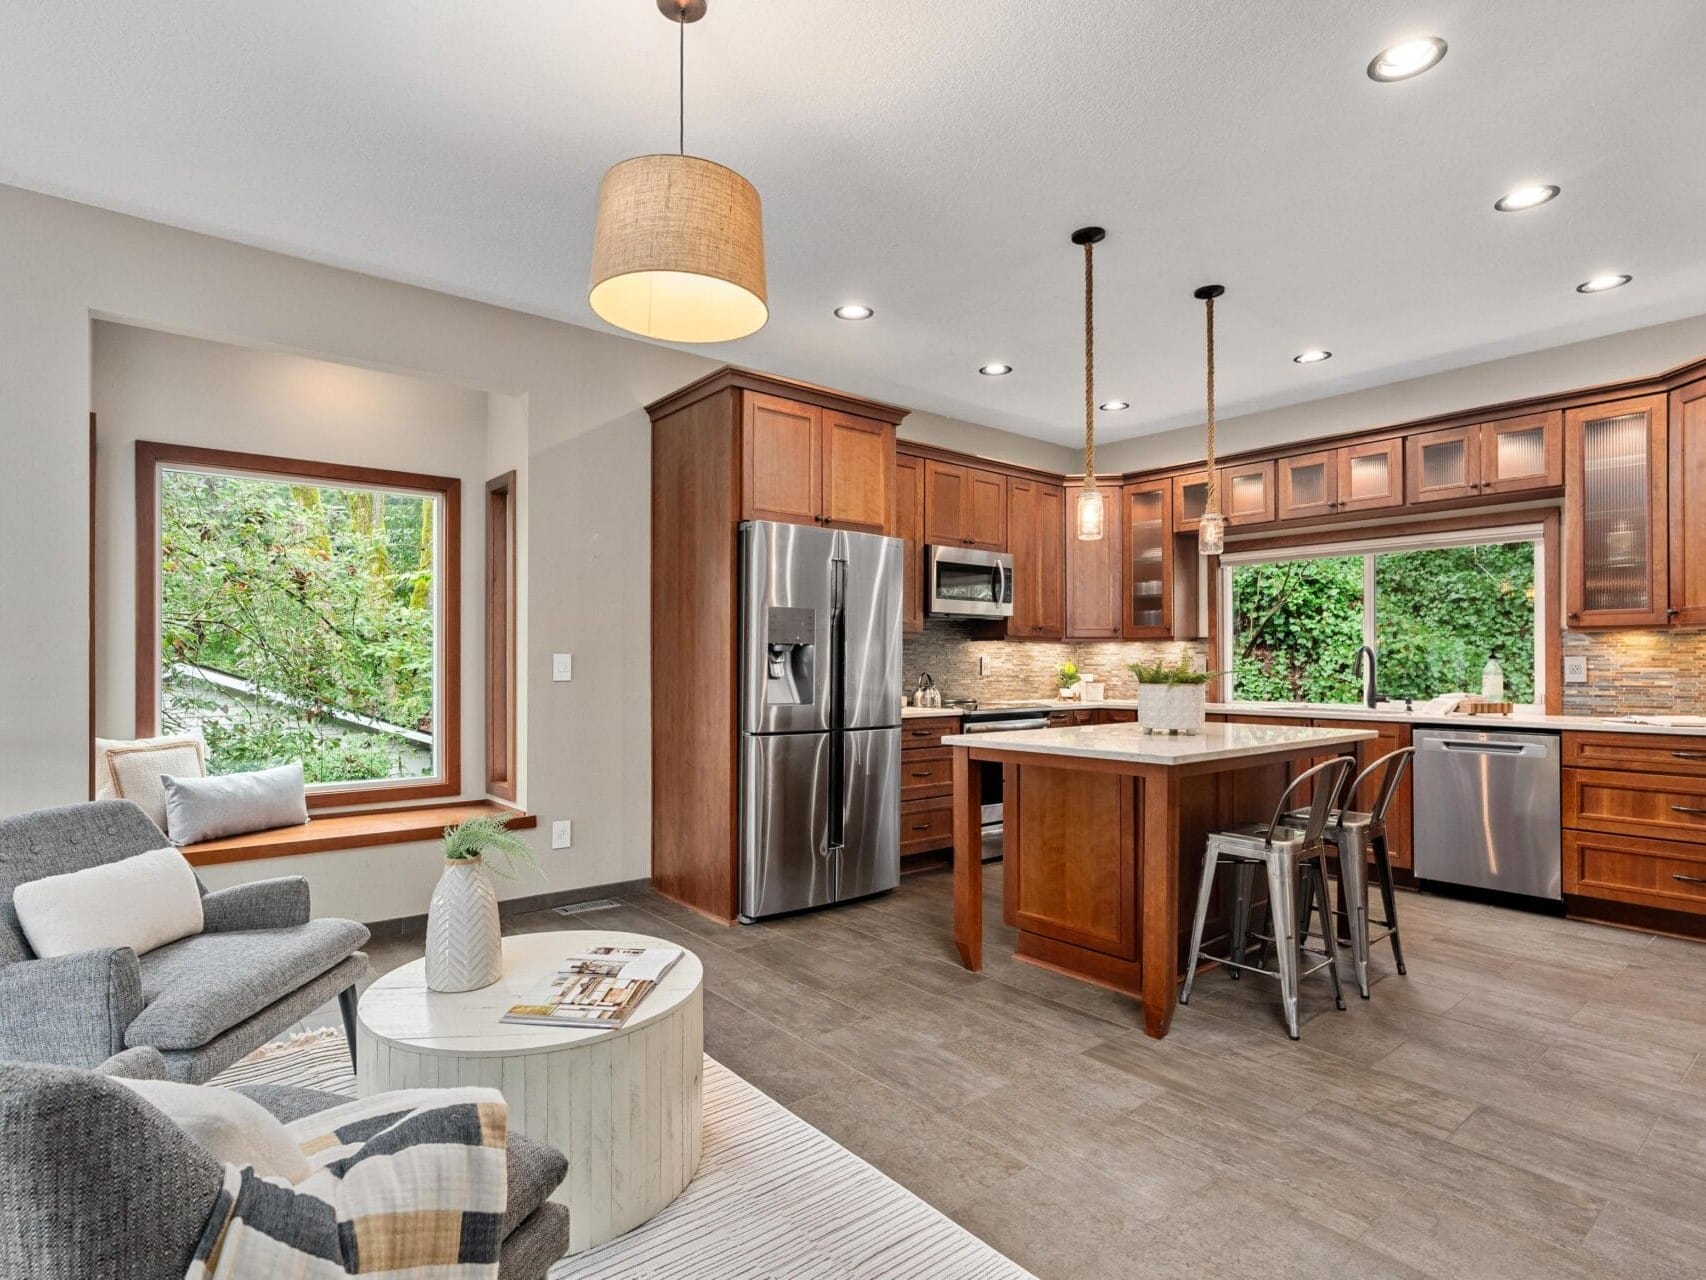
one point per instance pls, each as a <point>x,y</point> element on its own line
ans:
<point>931,160</point>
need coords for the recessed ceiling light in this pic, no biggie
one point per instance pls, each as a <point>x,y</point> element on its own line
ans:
<point>1114,406</point>
<point>1525,198</point>
<point>1311,357</point>
<point>853,311</point>
<point>995,370</point>
<point>1406,59</point>
<point>1599,284</point>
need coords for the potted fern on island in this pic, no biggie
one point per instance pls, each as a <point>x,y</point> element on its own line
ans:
<point>1171,697</point>
<point>464,942</point>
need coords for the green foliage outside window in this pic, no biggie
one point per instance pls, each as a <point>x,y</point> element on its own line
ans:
<point>322,600</point>
<point>1439,614</point>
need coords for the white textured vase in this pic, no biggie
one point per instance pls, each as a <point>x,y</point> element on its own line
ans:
<point>464,942</point>
<point>1172,708</point>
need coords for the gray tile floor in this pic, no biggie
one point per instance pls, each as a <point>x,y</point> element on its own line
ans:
<point>1529,1102</point>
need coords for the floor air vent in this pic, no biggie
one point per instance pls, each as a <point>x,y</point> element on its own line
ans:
<point>581,908</point>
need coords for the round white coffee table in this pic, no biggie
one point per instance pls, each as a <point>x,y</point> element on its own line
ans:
<point>623,1105</point>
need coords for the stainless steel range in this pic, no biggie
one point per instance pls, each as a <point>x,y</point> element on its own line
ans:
<point>1005,718</point>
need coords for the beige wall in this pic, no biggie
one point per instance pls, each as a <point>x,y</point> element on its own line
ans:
<point>1638,353</point>
<point>989,442</point>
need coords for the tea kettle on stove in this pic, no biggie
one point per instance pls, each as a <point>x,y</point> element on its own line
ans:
<point>926,694</point>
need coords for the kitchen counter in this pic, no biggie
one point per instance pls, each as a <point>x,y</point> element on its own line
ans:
<point>1104,829</point>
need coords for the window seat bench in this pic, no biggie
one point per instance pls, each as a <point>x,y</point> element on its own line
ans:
<point>361,830</point>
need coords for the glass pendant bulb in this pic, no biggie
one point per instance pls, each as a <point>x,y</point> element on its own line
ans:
<point>1211,534</point>
<point>1091,513</point>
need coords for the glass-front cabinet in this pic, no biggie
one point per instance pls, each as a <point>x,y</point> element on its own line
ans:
<point>1371,475</point>
<point>1309,485</point>
<point>1615,514</point>
<point>1149,561</point>
<point>1508,455</point>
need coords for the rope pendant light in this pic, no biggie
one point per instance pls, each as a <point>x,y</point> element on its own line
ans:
<point>679,250</point>
<point>1211,531</point>
<point>1092,507</point>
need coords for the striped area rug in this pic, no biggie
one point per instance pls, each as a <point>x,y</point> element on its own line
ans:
<point>774,1199</point>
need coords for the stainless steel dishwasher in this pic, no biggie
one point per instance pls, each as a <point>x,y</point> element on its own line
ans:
<point>1487,810</point>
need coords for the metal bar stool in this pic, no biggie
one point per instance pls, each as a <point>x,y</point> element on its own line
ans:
<point>1290,853</point>
<point>1358,839</point>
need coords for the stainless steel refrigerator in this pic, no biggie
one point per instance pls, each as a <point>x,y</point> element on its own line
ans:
<point>820,716</point>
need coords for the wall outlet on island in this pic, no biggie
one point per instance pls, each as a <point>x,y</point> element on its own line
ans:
<point>1575,670</point>
<point>562,833</point>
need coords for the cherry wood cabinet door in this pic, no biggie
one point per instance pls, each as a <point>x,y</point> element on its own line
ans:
<point>783,459</point>
<point>1522,453</point>
<point>909,527</point>
<point>1309,485</point>
<point>1247,494</point>
<point>1148,561</point>
<point>1190,500</point>
<point>858,467</point>
<point>1093,570</point>
<point>1371,476</point>
<point>986,518</point>
<point>1616,515</point>
<point>1035,528</point>
<point>1051,560</point>
<point>1687,430</point>
<point>1444,465</point>
<point>964,506</point>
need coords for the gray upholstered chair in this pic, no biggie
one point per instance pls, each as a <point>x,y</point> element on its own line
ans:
<point>259,965</point>
<point>98,1185</point>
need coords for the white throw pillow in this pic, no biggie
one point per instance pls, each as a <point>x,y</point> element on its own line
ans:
<point>140,902</point>
<point>132,770</point>
<point>235,1129</point>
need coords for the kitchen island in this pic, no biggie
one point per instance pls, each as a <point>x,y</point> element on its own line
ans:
<point>1104,835</point>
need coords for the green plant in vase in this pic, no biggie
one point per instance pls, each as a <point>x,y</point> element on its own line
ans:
<point>486,835</point>
<point>1172,697</point>
<point>464,942</point>
<point>1068,678</point>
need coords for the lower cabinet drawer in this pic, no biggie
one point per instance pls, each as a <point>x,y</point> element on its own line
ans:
<point>925,774</point>
<point>1658,806</point>
<point>926,825</point>
<point>1648,753</point>
<point>1652,873</point>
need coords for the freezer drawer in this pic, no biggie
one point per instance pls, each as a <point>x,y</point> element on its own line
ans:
<point>1488,810</point>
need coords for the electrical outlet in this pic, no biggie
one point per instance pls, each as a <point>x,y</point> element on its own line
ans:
<point>562,666</point>
<point>1575,670</point>
<point>562,833</point>
<point>982,665</point>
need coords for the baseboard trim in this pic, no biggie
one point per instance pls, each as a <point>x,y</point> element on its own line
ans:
<point>415,926</point>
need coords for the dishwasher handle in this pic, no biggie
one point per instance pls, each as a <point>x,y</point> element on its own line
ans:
<point>1490,748</point>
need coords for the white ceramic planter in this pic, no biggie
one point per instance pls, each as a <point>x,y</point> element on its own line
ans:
<point>1172,708</point>
<point>464,941</point>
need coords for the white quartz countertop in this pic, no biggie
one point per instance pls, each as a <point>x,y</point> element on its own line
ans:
<point>1387,714</point>
<point>1129,744</point>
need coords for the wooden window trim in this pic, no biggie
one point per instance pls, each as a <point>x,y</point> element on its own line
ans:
<point>501,636</point>
<point>152,455</point>
<point>365,829</point>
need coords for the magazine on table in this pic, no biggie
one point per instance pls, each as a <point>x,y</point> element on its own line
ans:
<point>598,987</point>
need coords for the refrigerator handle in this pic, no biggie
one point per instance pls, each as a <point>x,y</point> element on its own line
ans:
<point>837,698</point>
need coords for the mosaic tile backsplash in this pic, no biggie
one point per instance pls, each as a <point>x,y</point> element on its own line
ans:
<point>1629,672</point>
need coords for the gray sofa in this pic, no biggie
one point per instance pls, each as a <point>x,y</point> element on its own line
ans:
<point>259,965</point>
<point>98,1185</point>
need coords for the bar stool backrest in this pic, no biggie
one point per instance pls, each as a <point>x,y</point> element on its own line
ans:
<point>1394,762</point>
<point>1329,778</point>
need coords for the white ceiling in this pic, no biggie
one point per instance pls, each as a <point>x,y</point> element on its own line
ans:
<point>931,159</point>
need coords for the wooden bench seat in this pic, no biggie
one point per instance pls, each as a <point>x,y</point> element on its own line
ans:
<point>361,830</point>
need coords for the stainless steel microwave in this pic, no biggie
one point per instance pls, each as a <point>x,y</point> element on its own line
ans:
<point>960,582</point>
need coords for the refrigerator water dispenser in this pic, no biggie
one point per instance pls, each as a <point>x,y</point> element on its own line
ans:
<point>791,652</point>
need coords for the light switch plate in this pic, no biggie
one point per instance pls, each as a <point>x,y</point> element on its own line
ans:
<point>562,666</point>
<point>562,833</point>
<point>982,665</point>
<point>1575,670</point>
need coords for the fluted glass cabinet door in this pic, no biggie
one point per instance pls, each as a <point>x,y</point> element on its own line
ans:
<point>1615,514</point>
<point>1523,453</point>
<point>1443,465</point>
<point>1149,561</point>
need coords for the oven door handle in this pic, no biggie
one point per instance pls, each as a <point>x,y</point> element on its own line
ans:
<point>1006,726</point>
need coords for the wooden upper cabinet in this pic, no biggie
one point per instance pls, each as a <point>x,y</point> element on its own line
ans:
<point>1309,485</point>
<point>858,466</point>
<point>1505,456</point>
<point>1036,525</point>
<point>1687,431</point>
<point>1190,500</point>
<point>783,459</point>
<point>1246,493</point>
<point>1148,561</point>
<point>1616,514</point>
<point>809,465</point>
<point>1371,476</point>
<point>964,506</point>
<point>1093,569</point>
<point>1522,453</point>
<point>909,528</point>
